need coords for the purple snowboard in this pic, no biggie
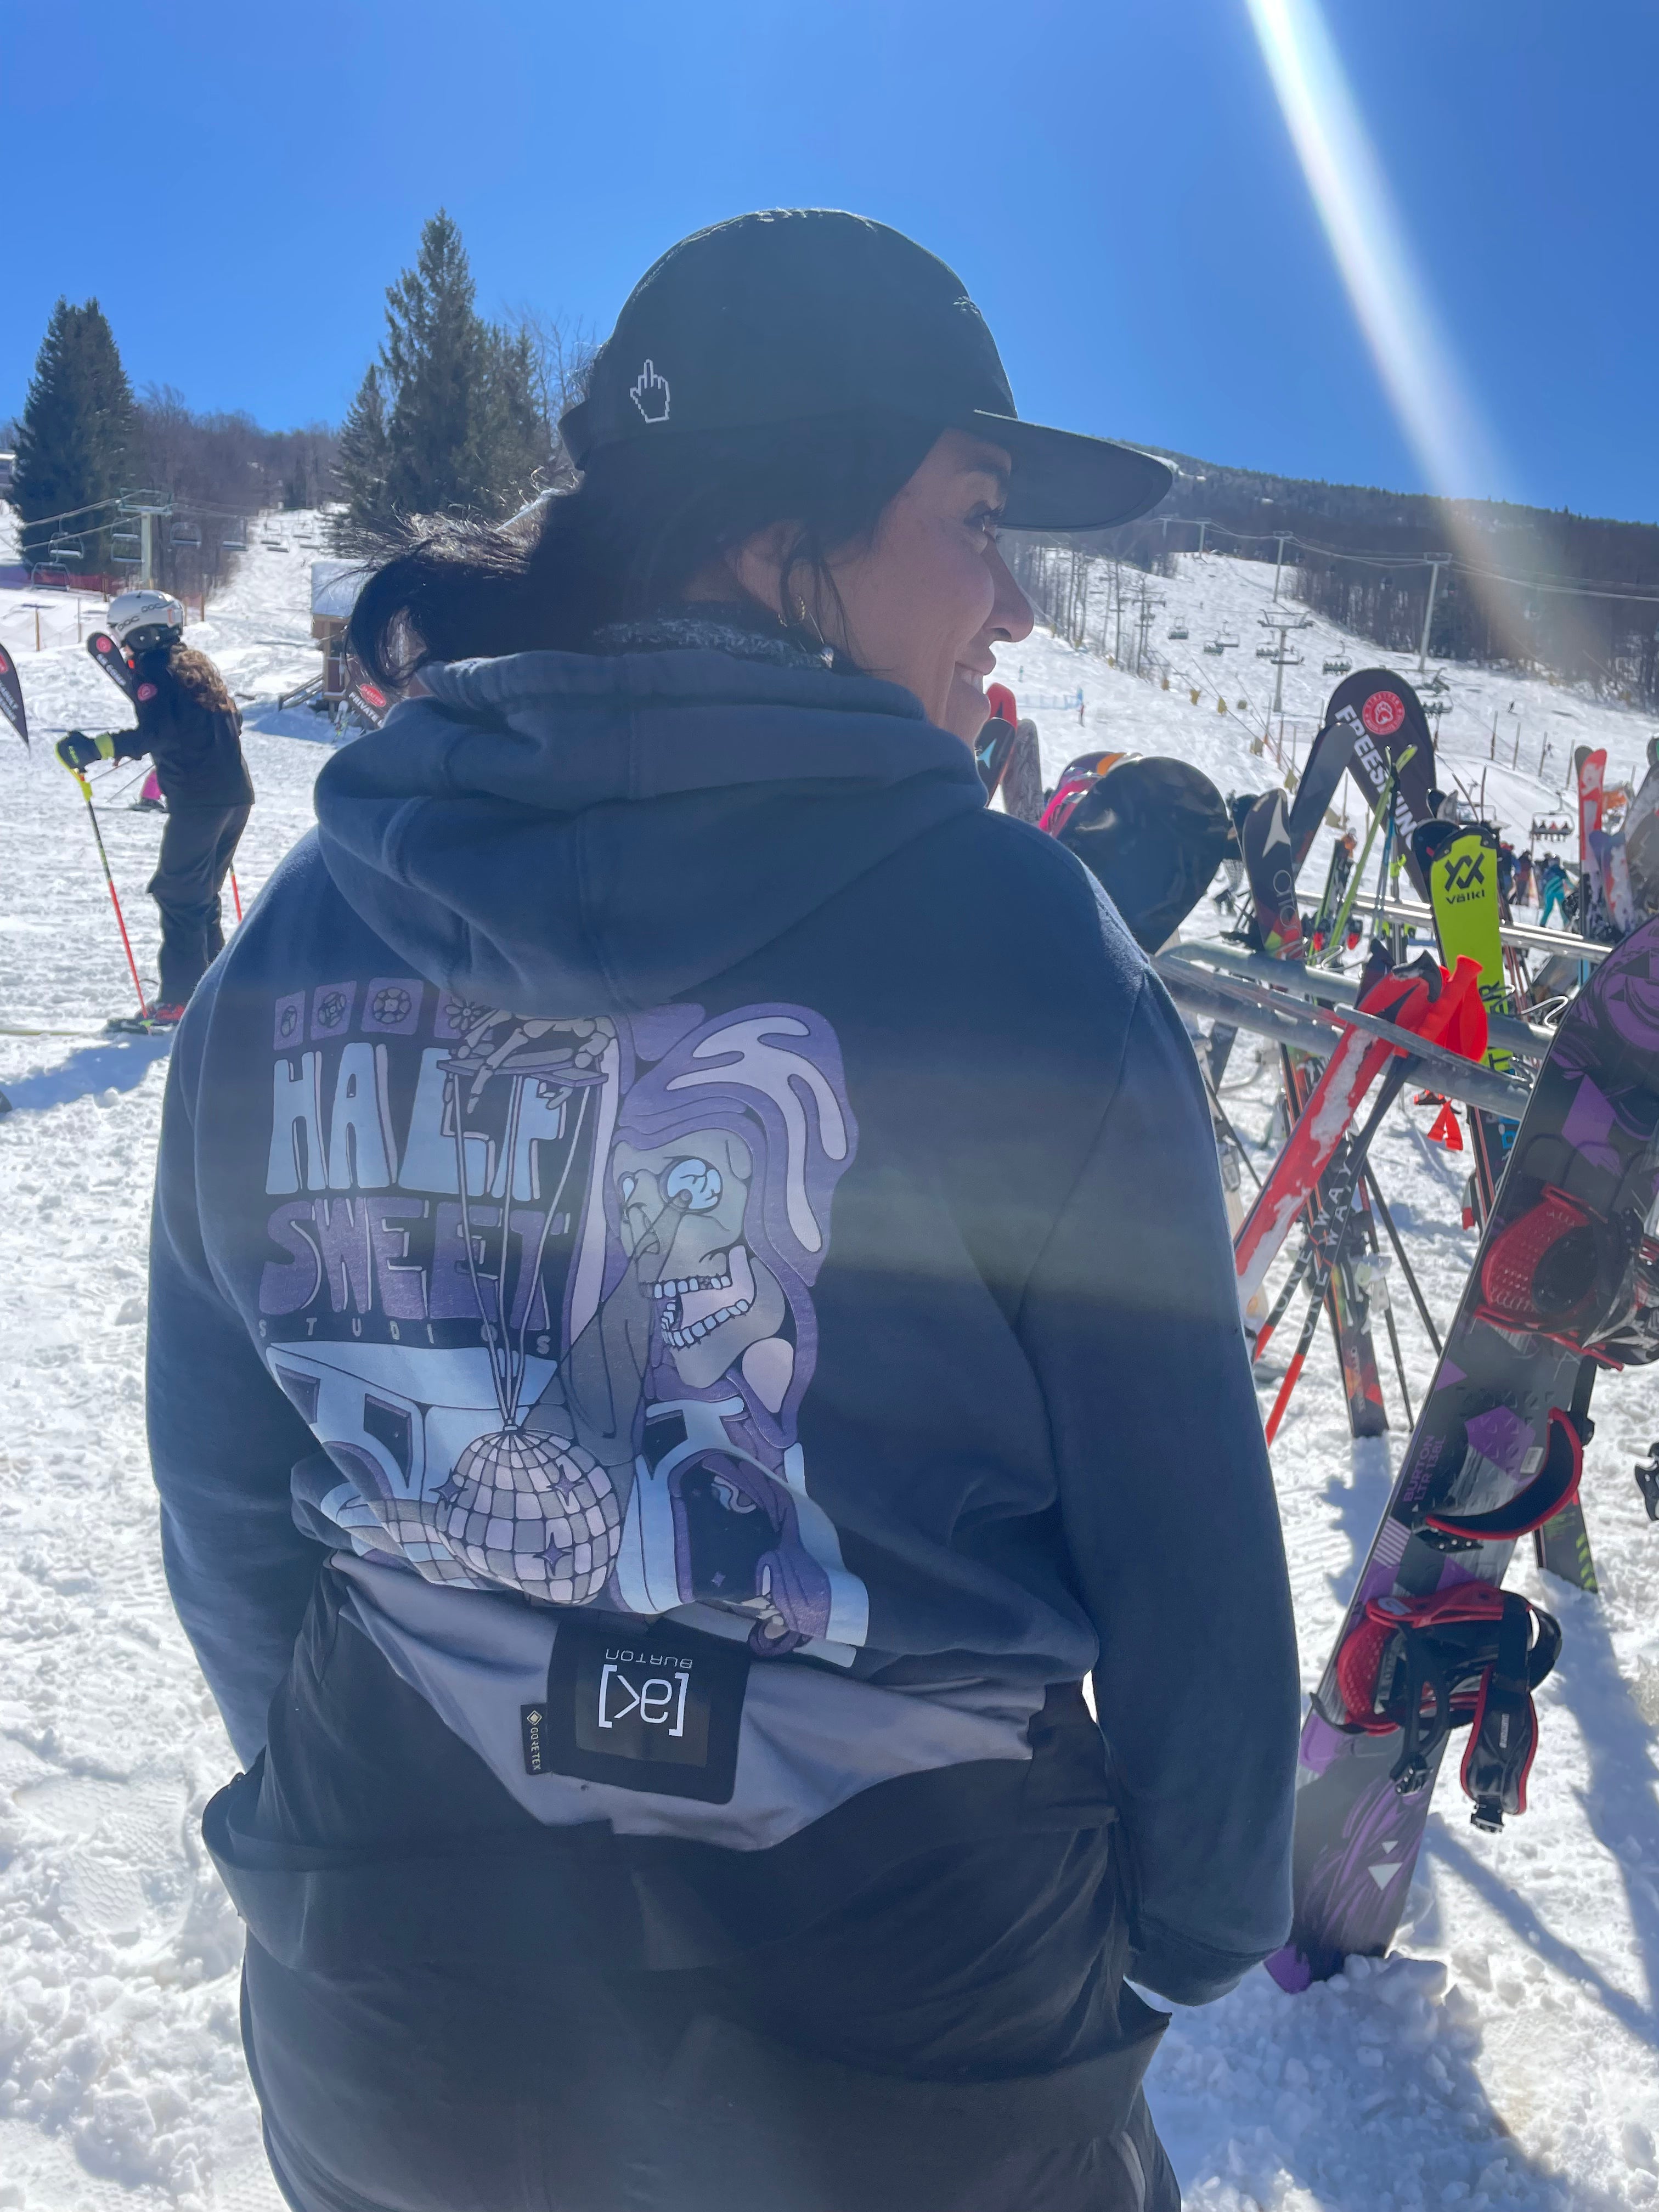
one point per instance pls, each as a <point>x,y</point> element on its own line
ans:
<point>1565,1242</point>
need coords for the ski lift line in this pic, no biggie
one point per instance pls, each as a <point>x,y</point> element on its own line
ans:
<point>1580,587</point>
<point>41,521</point>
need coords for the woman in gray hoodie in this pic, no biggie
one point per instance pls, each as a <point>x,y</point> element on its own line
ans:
<point>692,1314</point>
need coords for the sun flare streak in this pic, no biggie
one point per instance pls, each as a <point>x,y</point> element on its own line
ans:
<point>1351,196</point>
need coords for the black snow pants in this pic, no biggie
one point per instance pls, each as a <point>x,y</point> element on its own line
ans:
<point>197,846</point>
<point>461,2022</point>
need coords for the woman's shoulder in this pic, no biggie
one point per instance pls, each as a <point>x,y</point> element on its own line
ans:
<point>1009,878</point>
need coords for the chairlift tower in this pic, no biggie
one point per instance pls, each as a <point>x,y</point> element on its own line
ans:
<point>1281,654</point>
<point>1145,615</point>
<point>146,505</point>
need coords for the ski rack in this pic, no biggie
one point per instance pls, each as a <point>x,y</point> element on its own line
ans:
<point>1312,1028</point>
<point>1520,934</point>
<point>1506,1030</point>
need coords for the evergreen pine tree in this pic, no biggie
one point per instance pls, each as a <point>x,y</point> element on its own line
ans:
<point>516,439</point>
<point>74,440</point>
<point>361,464</point>
<point>447,421</point>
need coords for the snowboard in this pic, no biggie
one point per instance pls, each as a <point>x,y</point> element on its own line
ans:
<point>1565,1282</point>
<point>1370,724</point>
<point>1328,759</point>
<point>1270,869</point>
<point>11,697</point>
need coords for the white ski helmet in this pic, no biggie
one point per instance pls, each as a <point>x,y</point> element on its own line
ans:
<point>139,620</point>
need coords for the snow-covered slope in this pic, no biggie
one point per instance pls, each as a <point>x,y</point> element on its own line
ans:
<point>1508,2055</point>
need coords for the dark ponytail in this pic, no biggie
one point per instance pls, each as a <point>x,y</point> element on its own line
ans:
<point>644,522</point>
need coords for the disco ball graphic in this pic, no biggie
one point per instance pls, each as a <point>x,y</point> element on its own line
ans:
<point>537,1512</point>
<point>330,1009</point>
<point>391,1005</point>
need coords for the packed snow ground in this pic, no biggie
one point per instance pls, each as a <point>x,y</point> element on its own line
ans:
<point>1507,2055</point>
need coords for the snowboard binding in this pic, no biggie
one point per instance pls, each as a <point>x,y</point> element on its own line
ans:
<point>1564,1271</point>
<point>1553,1484</point>
<point>1470,1655</point>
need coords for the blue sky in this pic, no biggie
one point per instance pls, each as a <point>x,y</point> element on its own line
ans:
<point>238,183</point>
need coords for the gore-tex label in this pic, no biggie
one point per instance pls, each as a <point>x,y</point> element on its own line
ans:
<point>643,1706</point>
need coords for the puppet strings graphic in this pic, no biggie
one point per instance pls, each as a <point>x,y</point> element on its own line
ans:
<point>523,1506</point>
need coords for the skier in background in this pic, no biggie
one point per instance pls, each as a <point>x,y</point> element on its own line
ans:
<point>1553,891</point>
<point>188,723</point>
<point>1505,871</point>
<point>1522,879</point>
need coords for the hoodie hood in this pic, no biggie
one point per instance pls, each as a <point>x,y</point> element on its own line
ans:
<point>565,834</point>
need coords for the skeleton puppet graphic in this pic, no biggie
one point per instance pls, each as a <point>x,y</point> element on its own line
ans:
<point>659,1467</point>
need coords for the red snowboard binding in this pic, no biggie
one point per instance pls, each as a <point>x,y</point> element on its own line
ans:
<point>1468,1656</point>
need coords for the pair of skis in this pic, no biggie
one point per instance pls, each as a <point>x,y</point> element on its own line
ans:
<point>1374,728</point>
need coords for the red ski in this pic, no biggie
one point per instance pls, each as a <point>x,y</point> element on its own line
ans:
<point>1454,1016</point>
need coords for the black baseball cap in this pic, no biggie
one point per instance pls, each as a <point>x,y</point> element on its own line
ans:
<point>797,313</point>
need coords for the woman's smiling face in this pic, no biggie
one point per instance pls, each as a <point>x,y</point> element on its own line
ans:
<point>926,601</point>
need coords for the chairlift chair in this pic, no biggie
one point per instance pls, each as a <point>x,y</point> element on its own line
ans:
<point>186,536</point>
<point>235,538</point>
<point>1337,667</point>
<point>63,550</point>
<point>126,549</point>
<point>1177,629</point>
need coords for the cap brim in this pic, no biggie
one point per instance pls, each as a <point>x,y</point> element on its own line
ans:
<point>1065,481</point>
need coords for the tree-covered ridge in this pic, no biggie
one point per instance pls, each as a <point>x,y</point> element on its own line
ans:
<point>1607,642</point>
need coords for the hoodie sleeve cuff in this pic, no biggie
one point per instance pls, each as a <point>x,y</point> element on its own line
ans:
<point>1185,1970</point>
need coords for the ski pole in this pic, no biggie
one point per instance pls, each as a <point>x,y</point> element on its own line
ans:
<point>1398,1357</point>
<point>1281,1304</point>
<point>1220,1113</point>
<point>1298,1357</point>
<point>1384,812</point>
<point>1392,1082</point>
<point>1423,1313</point>
<point>120,918</point>
<point>236,894</point>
